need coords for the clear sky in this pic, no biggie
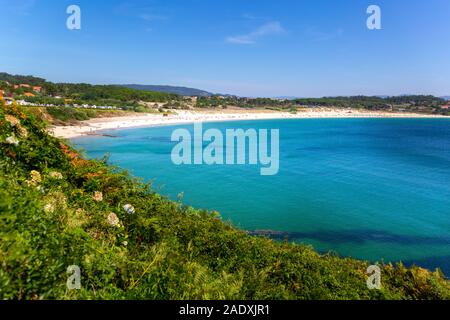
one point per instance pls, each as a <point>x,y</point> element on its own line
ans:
<point>303,48</point>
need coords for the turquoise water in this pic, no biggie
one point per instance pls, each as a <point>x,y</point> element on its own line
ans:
<point>366,188</point>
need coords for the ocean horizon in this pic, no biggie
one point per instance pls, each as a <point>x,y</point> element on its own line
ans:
<point>372,189</point>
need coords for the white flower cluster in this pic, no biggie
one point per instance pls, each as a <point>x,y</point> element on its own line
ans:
<point>98,196</point>
<point>12,140</point>
<point>113,220</point>
<point>56,175</point>
<point>129,209</point>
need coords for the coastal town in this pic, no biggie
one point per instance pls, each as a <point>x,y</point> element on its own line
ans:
<point>36,92</point>
<point>20,92</point>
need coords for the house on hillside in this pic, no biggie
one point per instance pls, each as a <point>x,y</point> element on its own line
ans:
<point>446,106</point>
<point>37,88</point>
<point>28,94</point>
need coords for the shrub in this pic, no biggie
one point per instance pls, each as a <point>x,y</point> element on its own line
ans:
<point>52,216</point>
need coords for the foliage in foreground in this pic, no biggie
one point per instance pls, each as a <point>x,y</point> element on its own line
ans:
<point>57,210</point>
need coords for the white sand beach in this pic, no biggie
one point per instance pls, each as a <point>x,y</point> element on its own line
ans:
<point>95,126</point>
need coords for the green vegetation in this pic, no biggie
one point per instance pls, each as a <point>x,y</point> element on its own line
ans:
<point>427,104</point>
<point>18,79</point>
<point>181,91</point>
<point>104,93</point>
<point>136,98</point>
<point>421,104</point>
<point>371,102</point>
<point>100,95</point>
<point>43,100</point>
<point>67,114</point>
<point>58,210</point>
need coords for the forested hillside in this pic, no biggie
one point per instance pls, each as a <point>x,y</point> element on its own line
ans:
<point>79,93</point>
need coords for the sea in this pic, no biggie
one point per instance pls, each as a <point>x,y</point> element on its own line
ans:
<point>372,189</point>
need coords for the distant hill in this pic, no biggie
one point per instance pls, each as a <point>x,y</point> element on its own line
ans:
<point>182,91</point>
<point>17,79</point>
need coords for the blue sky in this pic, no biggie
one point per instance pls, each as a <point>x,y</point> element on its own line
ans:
<point>304,48</point>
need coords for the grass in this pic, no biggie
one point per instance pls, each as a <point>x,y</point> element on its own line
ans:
<point>66,113</point>
<point>64,116</point>
<point>58,209</point>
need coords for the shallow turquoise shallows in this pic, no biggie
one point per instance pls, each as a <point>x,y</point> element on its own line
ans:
<point>375,189</point>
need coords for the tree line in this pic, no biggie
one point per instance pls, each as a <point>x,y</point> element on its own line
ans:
<point>96,94</point>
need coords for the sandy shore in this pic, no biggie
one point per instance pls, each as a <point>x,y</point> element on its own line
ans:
<point>94,126</point>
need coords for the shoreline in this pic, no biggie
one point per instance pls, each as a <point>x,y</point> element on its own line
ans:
<point>96,125</point>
